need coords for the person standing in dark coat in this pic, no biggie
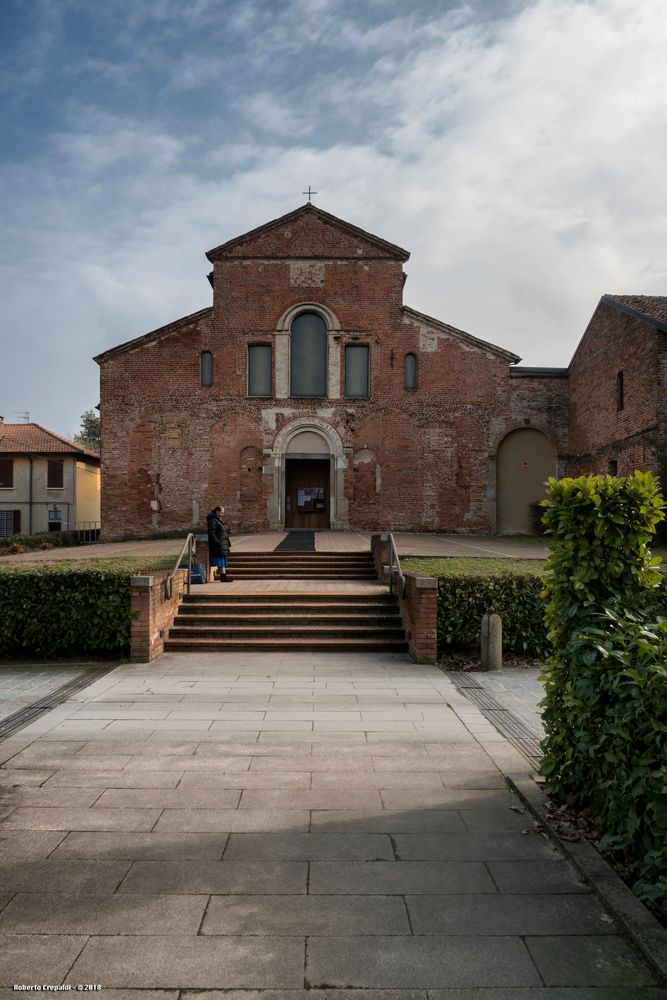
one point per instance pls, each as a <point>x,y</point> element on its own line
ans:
<point>218,542</point>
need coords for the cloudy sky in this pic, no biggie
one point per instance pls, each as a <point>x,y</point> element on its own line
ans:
<point>517,148</point>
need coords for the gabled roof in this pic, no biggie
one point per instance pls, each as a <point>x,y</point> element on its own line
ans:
<point>253,242</point>
<point>33,439</point>
<point>650,308</point>
<point>146,338</point>
<point>483,345</point>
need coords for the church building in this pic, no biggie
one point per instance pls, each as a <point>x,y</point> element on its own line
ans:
<point>309,396</point>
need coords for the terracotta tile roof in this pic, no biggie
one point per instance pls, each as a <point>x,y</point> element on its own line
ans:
<point>651,307</point>
<point>32,439</point>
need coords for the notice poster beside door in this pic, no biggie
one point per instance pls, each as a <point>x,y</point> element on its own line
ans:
<point>306,484</point>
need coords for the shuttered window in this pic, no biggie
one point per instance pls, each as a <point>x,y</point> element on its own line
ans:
<point>6,473</point>
<point>10,523</point>
<point>356,372</point>
<point>54,476</point>
<point>259,370</point>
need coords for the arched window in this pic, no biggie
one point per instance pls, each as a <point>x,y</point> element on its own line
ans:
<point>308,356</point>
<point>410,371</point>
<point>206,368</point>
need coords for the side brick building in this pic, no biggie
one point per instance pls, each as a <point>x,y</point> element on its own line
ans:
<point>309,396</point>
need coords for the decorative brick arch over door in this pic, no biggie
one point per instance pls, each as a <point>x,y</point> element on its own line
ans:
<point>324,441</point>
<point>526,458</point>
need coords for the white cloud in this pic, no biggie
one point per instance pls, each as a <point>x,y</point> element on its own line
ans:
<point>520,160</point>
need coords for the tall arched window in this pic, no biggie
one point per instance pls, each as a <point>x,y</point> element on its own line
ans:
<point>308,356</point>
<point>206,368</point>
<point>410,371</point>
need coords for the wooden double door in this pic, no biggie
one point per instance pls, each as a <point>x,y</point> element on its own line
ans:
<point>307,487</point>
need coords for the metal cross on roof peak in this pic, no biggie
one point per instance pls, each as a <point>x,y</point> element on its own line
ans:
<point>309,193</point>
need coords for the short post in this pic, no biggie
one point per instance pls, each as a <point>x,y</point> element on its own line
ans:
<point>492,641</point>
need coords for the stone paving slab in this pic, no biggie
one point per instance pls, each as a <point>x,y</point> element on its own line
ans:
<point>62,875</point>
<point>307,915</point>
<point>143,846</point>
<point>417,961</point>
<point>385,821</point>
<point>285,877</point>
<point>473,847</point>
<point>30,818</point>
<point>191,962</point>
<point>527,915</point>
<point>371,878</point>
<point>36,958</point>
<point>40,913</point>
<point>381,858</point>
<point>588,961</point>
<point>232,821</point>
<point>325,846</point>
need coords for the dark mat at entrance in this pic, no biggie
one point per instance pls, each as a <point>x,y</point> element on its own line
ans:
<point>297,541</point>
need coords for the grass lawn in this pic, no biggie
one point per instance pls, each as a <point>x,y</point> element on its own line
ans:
<point>463,566</point>
<point>137,565</point>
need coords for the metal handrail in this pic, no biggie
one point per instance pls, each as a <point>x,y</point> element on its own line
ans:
<point>393,559</point>
<point>191,546</point>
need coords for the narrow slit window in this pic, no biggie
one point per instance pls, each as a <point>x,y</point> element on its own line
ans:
<point>410,371</point>
<point>259,370</point>
<point>356,372</point>
<point>206,369</point>
<point>55,474</point>
<point>620,391</point>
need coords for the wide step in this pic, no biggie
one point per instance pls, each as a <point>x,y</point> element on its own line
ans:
<point>315,621</point>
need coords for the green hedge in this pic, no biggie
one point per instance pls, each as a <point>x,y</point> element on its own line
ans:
<point>611,755</point>
<point>605,708</point>
<point>463,600</point>
<point>50,613</point>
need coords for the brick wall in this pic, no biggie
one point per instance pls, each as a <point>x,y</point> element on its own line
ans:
<point>418,460</point>
<point>599,431</point>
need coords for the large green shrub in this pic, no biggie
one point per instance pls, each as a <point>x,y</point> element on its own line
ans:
<point>51,613</point>
<point>463,600</point>
<point>616,762</point>
<point>605,708</point>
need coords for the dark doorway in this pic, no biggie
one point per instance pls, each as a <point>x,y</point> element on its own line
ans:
<point>307,493</point>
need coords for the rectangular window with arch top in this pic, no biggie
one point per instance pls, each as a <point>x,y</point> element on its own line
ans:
<point>356,372</point>
<point>6,473</point>
<point>55,479</point>
<point>259,369</point>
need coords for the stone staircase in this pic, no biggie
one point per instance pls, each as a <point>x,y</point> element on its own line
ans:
<point>302,566</point>
<point>319,619</point>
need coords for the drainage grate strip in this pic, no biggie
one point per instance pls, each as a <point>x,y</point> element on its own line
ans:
<point>509,725</point>
<point>17,720</point>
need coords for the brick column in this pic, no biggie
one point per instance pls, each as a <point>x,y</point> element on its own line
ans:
<point>419,610</point>
<point>152,613</point>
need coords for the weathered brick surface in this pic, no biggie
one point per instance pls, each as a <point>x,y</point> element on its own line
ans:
<point>600,432</point>
<point>153,613</point>
<point>418,460</point>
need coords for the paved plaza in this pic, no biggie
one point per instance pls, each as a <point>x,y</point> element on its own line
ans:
<point>309,825</point>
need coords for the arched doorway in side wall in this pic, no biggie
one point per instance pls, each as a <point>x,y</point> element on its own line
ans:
<point>525,460</point>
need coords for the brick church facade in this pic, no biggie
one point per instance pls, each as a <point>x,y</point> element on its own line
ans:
<point>309,396</point>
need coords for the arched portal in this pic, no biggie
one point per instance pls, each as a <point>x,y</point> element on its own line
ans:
<point>526,458</point>
<point>308,463</point>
